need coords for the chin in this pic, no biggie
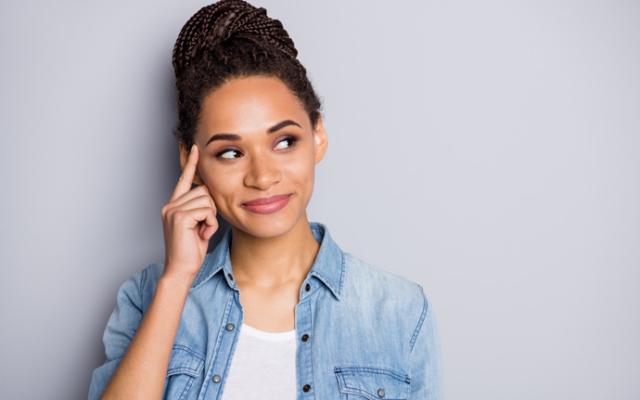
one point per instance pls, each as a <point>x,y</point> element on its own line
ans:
<point>267,225</point>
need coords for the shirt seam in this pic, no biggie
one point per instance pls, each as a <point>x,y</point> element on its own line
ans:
<point>141,284</point>
<point>342,270</point>
<point>418,327</point>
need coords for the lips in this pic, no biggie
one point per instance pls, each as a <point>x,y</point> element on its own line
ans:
<point>267,205</point>
<point>266,200</point>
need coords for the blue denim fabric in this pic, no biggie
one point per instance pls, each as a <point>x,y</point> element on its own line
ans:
<point>371,333</point>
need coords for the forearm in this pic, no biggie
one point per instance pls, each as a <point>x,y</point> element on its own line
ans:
<point>143,369</point>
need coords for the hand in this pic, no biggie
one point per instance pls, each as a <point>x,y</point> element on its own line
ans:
<point>189,221</point>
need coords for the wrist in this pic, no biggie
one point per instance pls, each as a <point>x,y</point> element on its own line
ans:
<point>176,280</point>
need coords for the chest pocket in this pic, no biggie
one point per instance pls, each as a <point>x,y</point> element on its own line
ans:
<point>372,383</point>
<point>185,367</point>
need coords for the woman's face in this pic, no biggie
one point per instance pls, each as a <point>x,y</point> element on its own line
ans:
<point>255,140</point>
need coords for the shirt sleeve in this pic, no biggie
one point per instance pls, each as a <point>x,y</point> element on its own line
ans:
<point>121,328</point>
<point>425,355</point>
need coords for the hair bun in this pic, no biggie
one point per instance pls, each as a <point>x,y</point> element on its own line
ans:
<point>217,22</point>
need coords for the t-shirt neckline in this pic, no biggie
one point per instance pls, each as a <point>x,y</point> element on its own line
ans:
<point>266,335</point>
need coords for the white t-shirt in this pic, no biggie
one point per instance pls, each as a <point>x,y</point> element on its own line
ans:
<point>263,366</point>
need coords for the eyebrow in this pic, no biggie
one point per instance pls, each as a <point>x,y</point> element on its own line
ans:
<point>233,136</point>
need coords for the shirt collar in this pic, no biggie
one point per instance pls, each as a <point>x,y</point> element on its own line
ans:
<point>328,266</point>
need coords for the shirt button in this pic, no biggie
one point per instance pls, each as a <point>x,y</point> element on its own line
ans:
<point>306,387</point>
<point>307,287</point>
<point>230,276</point>
<point>229,326</point>
<point>381,392</point>
<point>305,337</point>
<point>216,378</point>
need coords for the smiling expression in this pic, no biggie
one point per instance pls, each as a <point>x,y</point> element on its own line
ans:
<point>256,140</point>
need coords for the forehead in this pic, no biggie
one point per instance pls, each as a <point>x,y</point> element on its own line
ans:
<point>250,104</point>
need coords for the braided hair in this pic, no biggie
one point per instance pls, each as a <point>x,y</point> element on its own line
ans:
<point>231,39</point>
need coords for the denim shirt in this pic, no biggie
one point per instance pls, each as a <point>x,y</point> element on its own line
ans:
<point>362,332</point>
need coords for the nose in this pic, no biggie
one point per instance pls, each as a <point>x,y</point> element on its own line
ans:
<point>263,172</point>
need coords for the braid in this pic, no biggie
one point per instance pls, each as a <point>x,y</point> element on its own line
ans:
<point>229,17</point>
<point>227,39</point>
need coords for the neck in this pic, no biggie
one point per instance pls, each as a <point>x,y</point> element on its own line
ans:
<point>275,261</point>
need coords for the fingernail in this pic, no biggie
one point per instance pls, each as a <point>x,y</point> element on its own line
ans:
<point>192,147</point>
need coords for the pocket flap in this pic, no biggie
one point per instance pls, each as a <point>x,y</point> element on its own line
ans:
<point>184,361</point>
<point>373,382</point>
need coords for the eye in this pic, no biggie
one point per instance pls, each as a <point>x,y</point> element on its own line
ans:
<point>225,151</point>
<point>291,139</point>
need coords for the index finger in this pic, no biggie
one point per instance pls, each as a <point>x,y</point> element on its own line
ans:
<point>186,178</point>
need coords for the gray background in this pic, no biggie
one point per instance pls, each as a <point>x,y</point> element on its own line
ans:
<point>488,150</point>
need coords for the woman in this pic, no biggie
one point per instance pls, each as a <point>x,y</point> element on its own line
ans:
<point>277,310</point>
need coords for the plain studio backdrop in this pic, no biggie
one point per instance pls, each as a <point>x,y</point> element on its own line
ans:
<point>487,150</point>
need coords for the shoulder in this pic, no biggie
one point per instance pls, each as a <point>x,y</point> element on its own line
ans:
<point>377,286</point>
<point>361,271</point>
<point>140,286</point>
<point>384,299</point>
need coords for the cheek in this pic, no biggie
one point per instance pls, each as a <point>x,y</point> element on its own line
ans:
<point>223,188</point>
<point>300,172</point>
<point>303,164</point>
<point>223,179</point>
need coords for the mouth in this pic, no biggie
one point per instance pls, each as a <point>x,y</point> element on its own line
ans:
<point>267,205</point>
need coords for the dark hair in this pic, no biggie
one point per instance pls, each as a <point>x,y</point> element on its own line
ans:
<point>230,39</point>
